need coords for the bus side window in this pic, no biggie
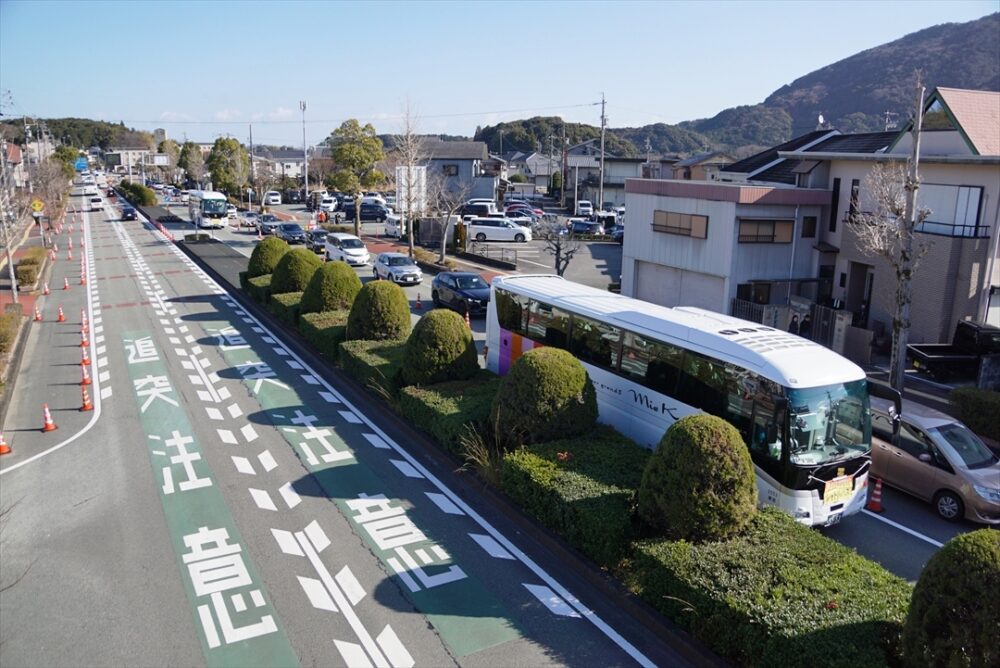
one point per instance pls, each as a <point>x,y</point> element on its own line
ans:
<point>595,342</point>
<point>511,311</point>
<point>664,367</point>
<point>548,325</point>
<point>703,384</point>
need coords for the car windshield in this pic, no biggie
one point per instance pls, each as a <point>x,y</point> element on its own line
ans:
<point>399,261</point>
<point>470,282</point>
<point>290,227</point>
<point>213,206</point>
<point>829,423</point>
<point>352,243</point>
<point>268,218</point>
<point>974,453</point>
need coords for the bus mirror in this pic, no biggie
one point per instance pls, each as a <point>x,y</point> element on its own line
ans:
<point>890,394</point>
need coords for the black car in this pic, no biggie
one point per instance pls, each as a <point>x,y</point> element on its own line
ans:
<point>291,232</point>
<point>129,213</point>
<point>461,291</point>
<point>316,240</point>
<point>586,227</point>
<point>369,212</point>
<point>617,234</point>
<point>292,197</point>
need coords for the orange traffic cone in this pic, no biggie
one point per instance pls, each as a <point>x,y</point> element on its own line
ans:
<point>84,375</point>
<point>468,322</point>
<point>66,284</point>
<point>84,357</point>
<point>71,224</point>
<point>418,305</point>
<point>38,314</point>
<point>69,254</point>
<point>875,502</point>
<point>83,339</point>
<point>4,448</point>
<point>55,248</point>
<point>70,243</point>
<point>48,424</point>
<point>52,255</point>
<point>81,242</point>
<point>62,316</point>
<point>87,406</point>
<point>83,278</point>
<point>45,290</point>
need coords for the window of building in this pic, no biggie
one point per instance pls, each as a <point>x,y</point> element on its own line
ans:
<point>835,206</point>
<point>595,342</point>
<point>766,231</point>
<point>808,227</point>
<point>855,198</point>
<point>450,170</point>
<point>955,210</point>
<point>682,224</point>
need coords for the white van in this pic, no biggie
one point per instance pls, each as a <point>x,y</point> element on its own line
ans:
<point>497,229</point>
<point>584,208</point>
<point>346,248</point>
<point>328,203</point>
<point>272,197</point>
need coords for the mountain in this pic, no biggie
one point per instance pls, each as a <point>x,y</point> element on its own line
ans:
<point>533,134</point>
<point>83,133</point>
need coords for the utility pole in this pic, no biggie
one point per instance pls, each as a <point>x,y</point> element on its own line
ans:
<point>7,215</point>
<point>501,141</point>
<point>305,152</point>
<point>903,288</point>
<point>600,186</point>
<point>565,174</point>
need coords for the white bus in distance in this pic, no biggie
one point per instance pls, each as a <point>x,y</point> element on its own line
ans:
<point>802,409</point>
<point>207,208</point>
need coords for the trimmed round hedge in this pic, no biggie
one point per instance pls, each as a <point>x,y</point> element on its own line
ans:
<point>380,312</point>
<point>440,348</point>
<point>546,395</point>
<point>265,257</point>
<point>954,616</point>
<point>332,287</point>
<point>699,483</point>
<point>294,271</point>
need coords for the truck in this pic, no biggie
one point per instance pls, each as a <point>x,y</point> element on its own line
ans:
<point>961,358</point>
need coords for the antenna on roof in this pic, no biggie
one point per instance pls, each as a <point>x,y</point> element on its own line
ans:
<point>889,123</point>
<point>821,123</point>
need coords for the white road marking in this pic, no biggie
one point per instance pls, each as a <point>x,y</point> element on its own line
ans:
<point>492,548</point>
<point>266,460</point>
<point>406,468</point>
<point>261,498</point>
<point>290,496</point>
<point>377,441</point>
<point>350,417</point>
<point>551,600</point>
<point>226,436</point>
<point>915,534</point>
<point>249,433</point>
<point>329,398</point>
<point>444,503</point>
<point>353,654</point>
<point>317,594</point>
<point>243,465</point>
<point>352,588</point>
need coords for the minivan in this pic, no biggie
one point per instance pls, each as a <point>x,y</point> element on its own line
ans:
<point>497,229</point>
<point>272,197</point>
<point>937,459</point>
<point>347,248</point>
<point>584,208</point>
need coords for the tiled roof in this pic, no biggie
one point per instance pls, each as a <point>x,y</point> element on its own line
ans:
<point>700,158</point>
<point>756,162</point>
<point>978,112</point>
<point>13,153</point>
<point>783,172</point>
<point>867,142</point>
<point>455,150</point>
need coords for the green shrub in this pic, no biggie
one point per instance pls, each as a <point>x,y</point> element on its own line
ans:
<point>546,394</point>
<point>332,287</point>
<point>374,364</point>
<point>325,331</point>
<point>9,324</point>
<point>380,312</point>
<point>137,194</point>
<point>265,256</point>
<point>777,594</point>
<point>701,457</point>
<point>586,494</point>
<point>978,409</point>
<point>294,270</point>
<point>440,348</point>
<point>342,229</point>
<point>954,616</point>
<point>285,306</point>
<point>26,274</point>
<point>33,255</point>
<point>260,288</point>
<point>445,410</point>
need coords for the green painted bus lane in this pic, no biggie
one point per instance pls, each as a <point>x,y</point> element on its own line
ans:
<point>236,623</point>
<point>466,616</point>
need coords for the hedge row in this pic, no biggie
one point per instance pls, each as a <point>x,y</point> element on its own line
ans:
<point>136,193</point>
<point>285,307</point>
<point>374,364</point>
<point>34,255</point>
<point>9,323</point>
<point>259,288</point>
<point>777,594</point>
<point>978,409</point>
<point>26,274</point>
<point>325,331</point>
<point>583,488</point>
<point>445,410</point>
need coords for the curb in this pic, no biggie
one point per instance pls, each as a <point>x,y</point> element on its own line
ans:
<point>661,628</point>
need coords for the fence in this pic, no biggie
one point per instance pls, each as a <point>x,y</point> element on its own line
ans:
<point>493,252</point>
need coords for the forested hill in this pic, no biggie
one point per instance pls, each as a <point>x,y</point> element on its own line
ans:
<point>83,133</point>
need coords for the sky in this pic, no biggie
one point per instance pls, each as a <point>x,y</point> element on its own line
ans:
<point>206,69</point>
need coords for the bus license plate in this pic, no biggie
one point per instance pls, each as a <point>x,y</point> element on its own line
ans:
<point>833,519</point>
<point>837,490</point>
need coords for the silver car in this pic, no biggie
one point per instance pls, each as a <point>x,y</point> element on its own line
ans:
<point>398,268</point>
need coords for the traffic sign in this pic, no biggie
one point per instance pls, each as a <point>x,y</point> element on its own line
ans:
<point>80,164</point>
<point>37,205</point>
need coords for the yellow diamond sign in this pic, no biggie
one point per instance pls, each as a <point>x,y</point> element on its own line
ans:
<point>37,205</point>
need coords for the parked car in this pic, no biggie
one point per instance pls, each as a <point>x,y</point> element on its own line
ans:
<point>129,213</point>
<point>328,203</point>
<point>316,239</point>
<point>617,234</point>
<point>291,232</point>
<point>496,229</point>
<point>398,268</point>
<point>231,212</point>
<point>249,219</point>
<point>585,227</point>
<point>478,209</point>
<point>272,197</point>
<point>584,208</point>
<point>293,197</point>
<point>370,212</point>
<point>961,357</point>
<point>462,291</point>
<point>347,248</point>
<point>938,459</point>
<point>267,223</point>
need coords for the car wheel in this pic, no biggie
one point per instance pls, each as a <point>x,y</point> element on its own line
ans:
<point>435,299</point>
<point>518,238</point>
<point>480,237</point>
<point>949,506</point>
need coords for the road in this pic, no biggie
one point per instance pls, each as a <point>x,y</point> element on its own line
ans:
<point>227,503</point>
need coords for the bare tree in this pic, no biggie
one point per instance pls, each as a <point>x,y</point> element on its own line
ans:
<point>263,178</point>
<point>446,199</point>
<point>559,243</point>
<point>409,152</point>
<point>888,231</point>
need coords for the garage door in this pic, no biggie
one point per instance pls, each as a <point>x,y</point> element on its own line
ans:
<point>670,286</point>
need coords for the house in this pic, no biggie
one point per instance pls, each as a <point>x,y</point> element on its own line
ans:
<point>700,167</point>
<point>124,159</point>
<point>284,162</point>
<point>770,237</point>
<point>15,163</point>
<point>536,167</point>
<point>464,166</point>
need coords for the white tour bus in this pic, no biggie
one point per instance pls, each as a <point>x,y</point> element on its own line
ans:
<point>207,208</point>
<point>802,409</point>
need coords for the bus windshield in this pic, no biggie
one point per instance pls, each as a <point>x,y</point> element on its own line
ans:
<point>213,206</point>
<point>829,423</point>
